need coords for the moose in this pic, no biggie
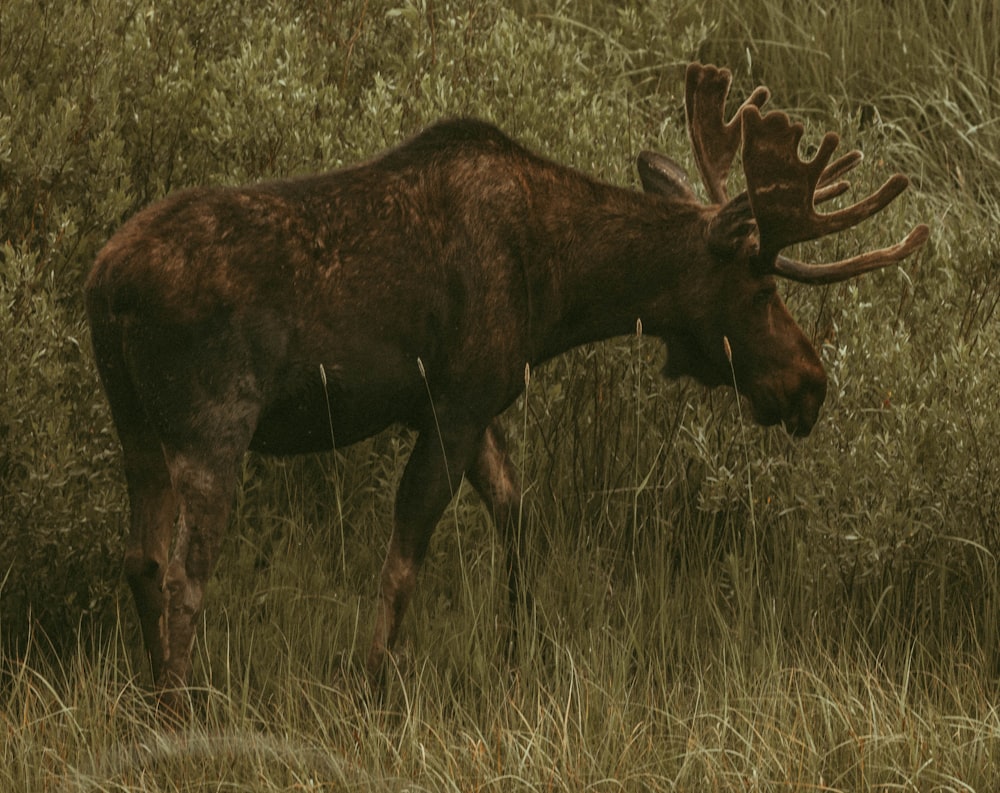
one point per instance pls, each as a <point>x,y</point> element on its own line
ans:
<point>298,315</point>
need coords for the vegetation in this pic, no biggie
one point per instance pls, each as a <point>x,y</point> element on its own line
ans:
<point>718,607</point>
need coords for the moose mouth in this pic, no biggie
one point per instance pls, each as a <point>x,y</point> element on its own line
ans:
<point>798,415</point>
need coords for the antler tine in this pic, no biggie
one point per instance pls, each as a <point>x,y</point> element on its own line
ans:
<point>784,190</point>
<point>713,141</point>
<point>856,265</point>
<point>827,187</point>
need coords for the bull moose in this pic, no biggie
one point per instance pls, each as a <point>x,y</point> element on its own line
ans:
<point>293,315</point>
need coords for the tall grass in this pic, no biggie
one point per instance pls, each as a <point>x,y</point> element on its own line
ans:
<point>730,704</point>
<point>926,72</point>
<point>717,607</point>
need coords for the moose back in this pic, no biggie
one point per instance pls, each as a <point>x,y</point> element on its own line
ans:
<point>291,316</point>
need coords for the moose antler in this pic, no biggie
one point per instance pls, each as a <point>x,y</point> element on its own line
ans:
<point>784,191</point>
<point>713,140</point>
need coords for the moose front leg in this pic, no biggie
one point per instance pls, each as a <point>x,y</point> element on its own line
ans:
<point>495,478</point>
<point>432,476</point>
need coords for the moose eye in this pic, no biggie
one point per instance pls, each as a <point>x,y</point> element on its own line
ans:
<point>763,296</point>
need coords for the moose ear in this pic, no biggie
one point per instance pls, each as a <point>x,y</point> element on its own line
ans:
<point>660,174</point>
<point>733,230</point>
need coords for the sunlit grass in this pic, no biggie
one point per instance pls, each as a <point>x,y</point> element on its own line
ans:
<point>739,712</point>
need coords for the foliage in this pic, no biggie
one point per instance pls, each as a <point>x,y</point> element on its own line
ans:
<point>703,586</point>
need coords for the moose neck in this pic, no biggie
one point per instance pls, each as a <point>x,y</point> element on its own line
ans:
<point>612,254</point>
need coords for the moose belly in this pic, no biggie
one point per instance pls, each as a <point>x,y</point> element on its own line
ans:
<point>319,417</point>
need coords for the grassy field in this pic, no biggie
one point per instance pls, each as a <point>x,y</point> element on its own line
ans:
<point>718,607</point>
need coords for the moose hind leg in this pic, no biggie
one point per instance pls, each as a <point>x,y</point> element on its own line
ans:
<point>205,484</point>
<point>152,501</point>
<point>154,509</point>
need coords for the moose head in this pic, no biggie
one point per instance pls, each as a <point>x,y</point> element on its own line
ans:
<point>736,325</point>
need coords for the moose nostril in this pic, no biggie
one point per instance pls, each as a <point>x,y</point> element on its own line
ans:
<point>811,399</point>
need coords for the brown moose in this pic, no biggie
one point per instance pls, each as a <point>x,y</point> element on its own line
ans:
<point>291,316</point>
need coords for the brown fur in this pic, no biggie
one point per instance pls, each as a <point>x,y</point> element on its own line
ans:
<point>213,311</point>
